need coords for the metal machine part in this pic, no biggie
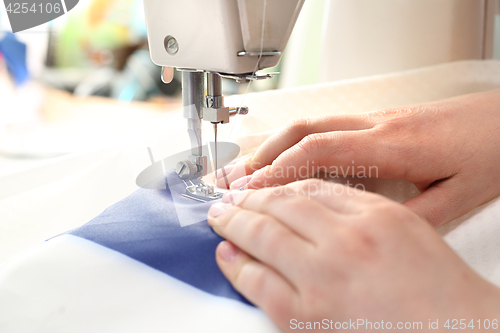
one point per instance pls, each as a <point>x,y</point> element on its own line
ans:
<point>196,108</point>
<point>258,54</point>
<point>212,109</point>
<point>186,170</point>
<point>202,191</point>
<point>215,159</point>
<point>215,111</point>
<point>193,101</point>
<point>240,38</point>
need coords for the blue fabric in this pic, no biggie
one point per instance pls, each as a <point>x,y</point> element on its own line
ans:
<point>145,226</point>
<point>14,53</point>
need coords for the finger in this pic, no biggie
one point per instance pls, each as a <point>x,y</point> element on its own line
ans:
<point>340,198</point>
<point>296,130</point>
<point>358,154</point>
<point>290,135</point>
<point>261,236</point>
<point>307,218</point>
<point>233,171</point>
<point>240,183</point>
<point>443,202</point>
<point>224,171</point>
<point>230,166</point>
<point>259,283</point>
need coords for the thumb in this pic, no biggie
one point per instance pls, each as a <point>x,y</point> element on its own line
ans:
<point>443,202</point>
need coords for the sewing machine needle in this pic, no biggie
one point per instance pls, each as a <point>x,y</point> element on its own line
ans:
<point>215,131</point>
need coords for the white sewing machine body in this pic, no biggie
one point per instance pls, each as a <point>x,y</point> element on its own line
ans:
<point>222,36</point>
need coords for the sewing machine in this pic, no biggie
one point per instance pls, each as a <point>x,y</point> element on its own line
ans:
<point>209,40</point>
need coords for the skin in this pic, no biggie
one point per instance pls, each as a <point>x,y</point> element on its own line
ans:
<point>449,149</point>
<point>314,250</point>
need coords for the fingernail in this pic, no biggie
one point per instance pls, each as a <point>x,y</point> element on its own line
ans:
<point>222,183</point>
<point>241,183</point>
<point>227,251</point>
<point>218,208</point>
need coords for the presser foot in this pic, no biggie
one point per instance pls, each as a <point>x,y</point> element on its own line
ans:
<point>201,191</point>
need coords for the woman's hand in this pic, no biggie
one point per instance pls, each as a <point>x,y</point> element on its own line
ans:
<point>314,251</point>
<point>449,149</point>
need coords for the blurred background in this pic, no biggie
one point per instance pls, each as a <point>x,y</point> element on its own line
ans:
<point>85,79</point>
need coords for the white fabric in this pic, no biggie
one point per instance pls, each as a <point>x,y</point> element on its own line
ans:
<point>35,286</point>
<point>74,285</point>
